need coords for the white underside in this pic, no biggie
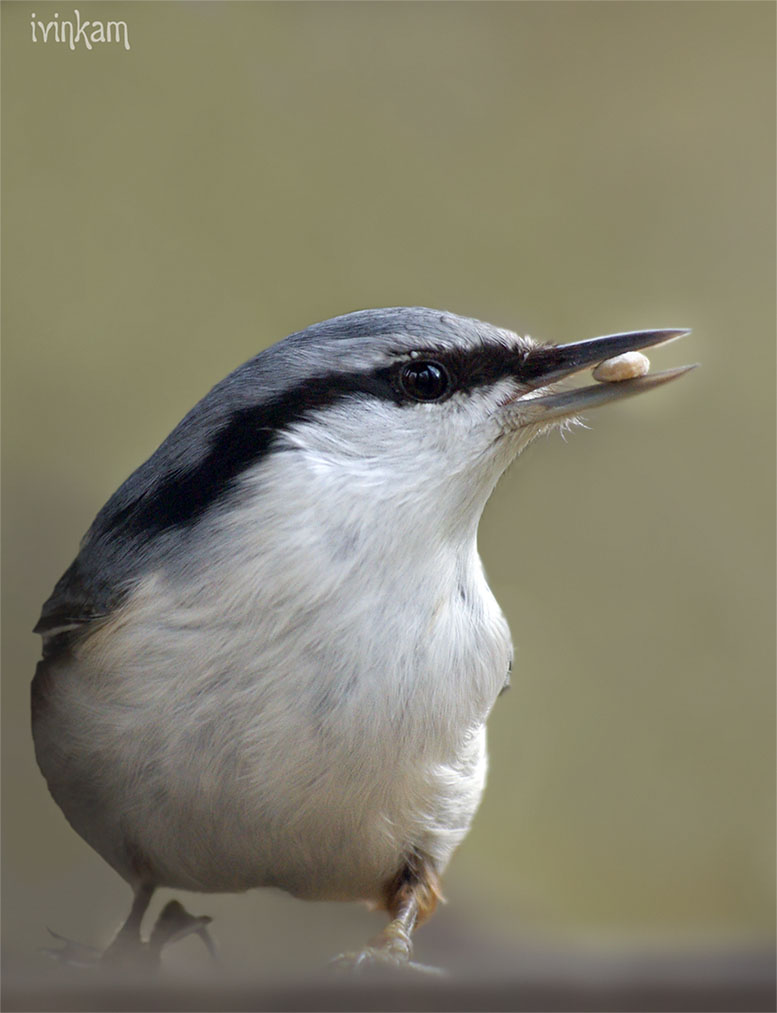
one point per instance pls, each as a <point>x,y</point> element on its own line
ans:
<point>300,711</point>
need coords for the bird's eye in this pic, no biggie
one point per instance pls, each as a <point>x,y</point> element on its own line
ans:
<point>425,381</point>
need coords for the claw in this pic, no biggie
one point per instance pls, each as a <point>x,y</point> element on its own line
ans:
<point>392,949</point>
<point>72,953</point>
<point>373,958</point>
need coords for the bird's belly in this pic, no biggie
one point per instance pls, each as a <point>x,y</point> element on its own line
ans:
<point>347,836</point>
<point>209,754</point>
<point>325,825</point>
<point>225,804</point>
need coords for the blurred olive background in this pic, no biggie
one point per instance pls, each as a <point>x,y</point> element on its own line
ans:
<point>565,170</point>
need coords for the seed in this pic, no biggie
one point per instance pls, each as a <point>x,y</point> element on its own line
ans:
<point>622,367</point>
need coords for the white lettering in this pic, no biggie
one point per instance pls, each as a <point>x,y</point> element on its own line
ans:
<point>116,26</point>
<point>46,28</point>
<point>77,32</point>
<point>81,31</point>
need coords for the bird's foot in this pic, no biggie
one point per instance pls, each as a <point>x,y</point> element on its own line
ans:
<point>391,950</point>
<point>175,923</point>
<point>128,951</point>
<point>70,952</point>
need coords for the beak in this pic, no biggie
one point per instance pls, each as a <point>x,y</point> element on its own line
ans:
<point>546,364</point>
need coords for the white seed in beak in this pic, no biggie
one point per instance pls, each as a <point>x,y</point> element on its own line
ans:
<point>622,367</point>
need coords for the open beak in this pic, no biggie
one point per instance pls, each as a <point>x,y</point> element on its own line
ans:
<point>545,364</point>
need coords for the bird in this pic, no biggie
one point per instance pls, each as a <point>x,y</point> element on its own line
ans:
<point>272,661</point>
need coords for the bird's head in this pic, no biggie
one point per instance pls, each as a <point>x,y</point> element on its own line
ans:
<point>417,406</point>
<point>405,409</point>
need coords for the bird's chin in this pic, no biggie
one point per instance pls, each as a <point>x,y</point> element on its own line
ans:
<point>516,431</point>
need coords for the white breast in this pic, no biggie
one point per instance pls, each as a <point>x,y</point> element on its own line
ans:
<point>297,710</point>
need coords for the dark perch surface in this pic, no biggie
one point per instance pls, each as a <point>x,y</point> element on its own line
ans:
<point>704,981</point>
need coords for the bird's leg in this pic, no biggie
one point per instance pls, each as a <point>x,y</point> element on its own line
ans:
<point>128,949</point>
<point>128,946</point>
<point>128,937</point>
<point>395,940</point>
<point>174,923</point>
<point>410,898</point>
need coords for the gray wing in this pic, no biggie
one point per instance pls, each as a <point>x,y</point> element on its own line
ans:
<point>75,603</point>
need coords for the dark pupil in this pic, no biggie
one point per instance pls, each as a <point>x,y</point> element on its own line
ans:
<point>425,381</point>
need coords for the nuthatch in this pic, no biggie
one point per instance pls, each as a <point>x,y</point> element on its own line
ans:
<point>272,661</point>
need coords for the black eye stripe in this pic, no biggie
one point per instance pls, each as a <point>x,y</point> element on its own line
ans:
<point>475,367</point>
<point>180,498</point>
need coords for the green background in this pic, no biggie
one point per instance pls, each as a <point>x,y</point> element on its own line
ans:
<point>565,170</point>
